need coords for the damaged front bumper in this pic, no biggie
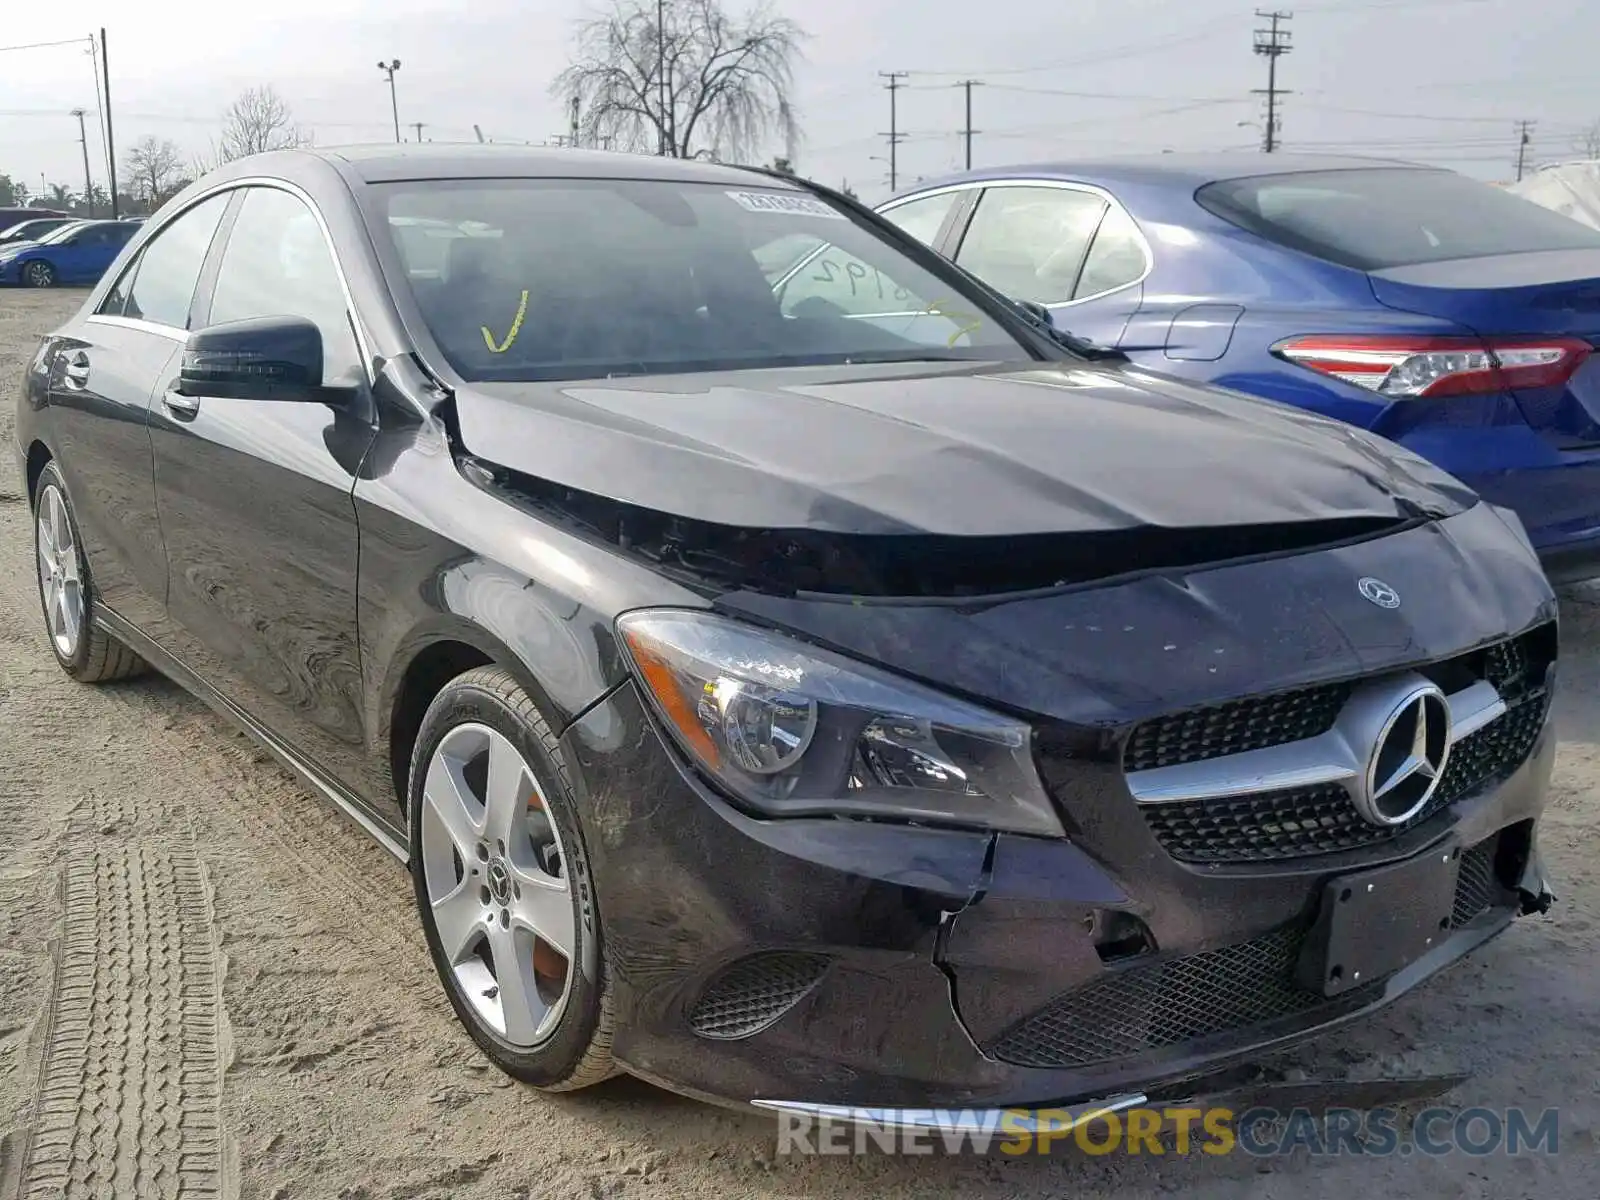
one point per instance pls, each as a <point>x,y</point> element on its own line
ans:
<point>851,963</point>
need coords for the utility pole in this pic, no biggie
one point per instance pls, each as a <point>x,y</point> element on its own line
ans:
<point>417,125</point>
<point>661,74</point>
<point>1273,43</point>
<point>88,182</point>
<point>389,68</point>
<point>895,137</point>
<point>968,85</point>
<point>1524,140</point>
<point>111,141</point>
<point>479,132</point>
<point>577,113</point>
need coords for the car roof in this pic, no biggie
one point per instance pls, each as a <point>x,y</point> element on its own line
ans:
<point>1188,171</point>
<point>391,162</point>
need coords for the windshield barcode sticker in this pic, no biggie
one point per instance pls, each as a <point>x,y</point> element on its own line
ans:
<point>794,203</point>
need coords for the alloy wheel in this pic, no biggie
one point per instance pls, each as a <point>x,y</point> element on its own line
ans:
<point>497,886</point>
<point>60,581</point>
<point>40,274</point>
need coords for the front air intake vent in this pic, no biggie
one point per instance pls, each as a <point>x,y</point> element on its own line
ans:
<point>747,997</point>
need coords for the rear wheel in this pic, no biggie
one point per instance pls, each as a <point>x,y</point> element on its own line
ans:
<point>503,887</point>
<point>39,274</point>
<point>82,647</point>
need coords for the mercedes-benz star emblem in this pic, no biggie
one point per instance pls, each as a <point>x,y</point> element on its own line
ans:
<point>1379,592</point>
<point>1408,758</point>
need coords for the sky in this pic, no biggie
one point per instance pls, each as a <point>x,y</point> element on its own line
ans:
<point>1438,81</point>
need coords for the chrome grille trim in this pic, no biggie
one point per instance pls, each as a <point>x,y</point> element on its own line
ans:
<point>1337,756</point>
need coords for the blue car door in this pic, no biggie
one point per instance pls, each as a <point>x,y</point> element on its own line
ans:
<point>1067,246</point>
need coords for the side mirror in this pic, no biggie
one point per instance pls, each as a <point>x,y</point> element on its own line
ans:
<point>262,358</point>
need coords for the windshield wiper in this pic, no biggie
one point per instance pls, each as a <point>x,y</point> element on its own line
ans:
<point>1038,316</point>
<point>908,356</point>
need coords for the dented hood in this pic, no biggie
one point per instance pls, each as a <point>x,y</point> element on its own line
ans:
<point>968,450</point>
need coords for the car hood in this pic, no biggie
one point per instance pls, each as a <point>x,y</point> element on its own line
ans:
<point>968,451</point>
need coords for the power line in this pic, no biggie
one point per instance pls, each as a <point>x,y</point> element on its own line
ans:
<point>894,85</point>
<point>1201,33</point>
<point>967,85</point>
<point>43,45</point>
<point>1272,43</point>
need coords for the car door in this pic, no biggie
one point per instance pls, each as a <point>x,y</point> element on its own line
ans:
<point>112,363</point>
<point>255,500</point>
<point>81,257</point>
<point>1069,247</point>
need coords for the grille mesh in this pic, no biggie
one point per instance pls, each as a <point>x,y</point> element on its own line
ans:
<point>1476,886</point>
<point>1235,727</point>
<point>1165,1004</point>
<point>1298,822</point>
<point>754,992</point>
<point>1143,1009</point>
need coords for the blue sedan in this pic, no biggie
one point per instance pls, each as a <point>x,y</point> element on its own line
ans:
<point>78,253</point>
<point>1432,309</point>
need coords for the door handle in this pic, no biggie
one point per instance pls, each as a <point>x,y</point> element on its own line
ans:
<point>180,405</point>
<point>75,370</point>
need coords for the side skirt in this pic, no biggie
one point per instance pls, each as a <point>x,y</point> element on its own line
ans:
<point>379,830</point>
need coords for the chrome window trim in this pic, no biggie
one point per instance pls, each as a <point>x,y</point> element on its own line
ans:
<point>1058,185</point>
<point>155,327</point>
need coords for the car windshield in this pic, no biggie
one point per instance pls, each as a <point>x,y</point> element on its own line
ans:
<point>61,233</point>
<point>568,279</point>
<point>1391,217</point>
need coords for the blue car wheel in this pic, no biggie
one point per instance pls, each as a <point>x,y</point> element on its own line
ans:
<point>38,273</point>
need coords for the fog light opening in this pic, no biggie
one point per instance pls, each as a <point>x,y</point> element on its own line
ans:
<point>1119,936</point>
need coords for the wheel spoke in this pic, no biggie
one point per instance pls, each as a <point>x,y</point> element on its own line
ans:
<point>67,598</point>
<point>458,919</point>
<point>545,907</point>
<point>507,799</point>
<point>58,524</point>
<point>47,541</point>
<point>521,1006</point>
<point>446,793</point>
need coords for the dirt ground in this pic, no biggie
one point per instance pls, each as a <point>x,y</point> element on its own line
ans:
<point>212,984</point>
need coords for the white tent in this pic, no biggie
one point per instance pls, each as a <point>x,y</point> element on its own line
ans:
<point>1571,188</point>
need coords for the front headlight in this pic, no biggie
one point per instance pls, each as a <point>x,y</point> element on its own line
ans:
<point>790,729</point>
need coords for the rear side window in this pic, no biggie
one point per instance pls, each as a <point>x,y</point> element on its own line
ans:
<point>1116,259</point>
<point>923,218</point>
<point>1378,218</point>
<point>159,284</point>
<point>1030,242</point>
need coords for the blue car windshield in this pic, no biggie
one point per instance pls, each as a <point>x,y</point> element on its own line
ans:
<point>530,279</point>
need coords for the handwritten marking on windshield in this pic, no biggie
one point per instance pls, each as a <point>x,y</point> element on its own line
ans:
<point>516,328</point>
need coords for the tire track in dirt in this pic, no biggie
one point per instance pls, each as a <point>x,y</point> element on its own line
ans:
<point>130,1092</point>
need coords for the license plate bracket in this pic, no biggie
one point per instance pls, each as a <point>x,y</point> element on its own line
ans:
<point>1373,923</point>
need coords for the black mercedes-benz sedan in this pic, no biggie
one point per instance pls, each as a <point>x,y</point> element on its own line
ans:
<point>832,688</point>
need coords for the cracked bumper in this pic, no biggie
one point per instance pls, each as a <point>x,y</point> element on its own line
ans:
<point>929,943</point>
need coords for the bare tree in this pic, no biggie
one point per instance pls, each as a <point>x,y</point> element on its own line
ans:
<point>256,122</point>
<point>152,165</point>
<point>1587,143</point>
<point>682,77</point>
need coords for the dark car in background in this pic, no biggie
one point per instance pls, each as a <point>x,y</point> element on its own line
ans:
<point>11,216</point>
<point>75,254</point>
<point>794,706</point>
<point>1438,311</point>
<point>31,230</point>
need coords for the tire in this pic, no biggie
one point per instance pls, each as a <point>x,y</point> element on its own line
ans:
<point>90,655</point>
<point>475,884</point>
<point>39,274</point>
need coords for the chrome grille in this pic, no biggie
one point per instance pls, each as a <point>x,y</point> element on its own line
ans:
<point>1319,819</point>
